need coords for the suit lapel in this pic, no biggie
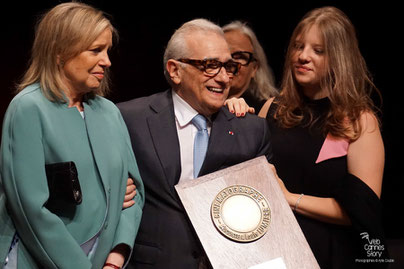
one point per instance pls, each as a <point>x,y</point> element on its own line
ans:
<point>221,142</point>
<point>165,138</point>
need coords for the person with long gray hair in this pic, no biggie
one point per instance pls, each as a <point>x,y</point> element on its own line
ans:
<point>255,81</point>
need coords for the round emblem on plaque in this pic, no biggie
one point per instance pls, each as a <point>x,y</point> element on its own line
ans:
<point>241,213</point>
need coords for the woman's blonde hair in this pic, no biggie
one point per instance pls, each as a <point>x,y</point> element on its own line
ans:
<point>262,86</point>
<point>347,80</point>
<point>62,33</point>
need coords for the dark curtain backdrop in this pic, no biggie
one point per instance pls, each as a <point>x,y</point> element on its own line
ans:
<point>145,28</point>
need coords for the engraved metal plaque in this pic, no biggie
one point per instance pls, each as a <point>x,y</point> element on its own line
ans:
<point>251,227</point>
<point>241,213</point>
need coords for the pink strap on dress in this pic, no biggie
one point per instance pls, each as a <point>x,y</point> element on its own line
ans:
<point>333,148</point>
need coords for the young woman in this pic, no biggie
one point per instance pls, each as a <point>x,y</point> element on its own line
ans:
<point>327,147</point>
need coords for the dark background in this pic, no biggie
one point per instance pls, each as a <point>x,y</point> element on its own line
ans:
<point>144,30</point>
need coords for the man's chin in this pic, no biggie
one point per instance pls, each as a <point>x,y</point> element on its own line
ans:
<point>213,108</point>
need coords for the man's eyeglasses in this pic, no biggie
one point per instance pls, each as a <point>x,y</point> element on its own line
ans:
<point>243,57</point>
<point>212,67</point>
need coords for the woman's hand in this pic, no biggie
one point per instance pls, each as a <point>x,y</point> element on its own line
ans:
<point>117,257</point>
<point>319,208</point>
<point>238,106</point>
<point>285,191</point>
<point>130,194</point>
<point>291,198</point>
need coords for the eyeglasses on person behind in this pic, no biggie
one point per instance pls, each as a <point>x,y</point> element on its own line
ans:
<point>243,57</point>
<point>212,67</point>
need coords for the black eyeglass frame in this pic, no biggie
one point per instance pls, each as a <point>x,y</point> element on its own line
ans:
<point>203,65</point>
<point>251,57</point>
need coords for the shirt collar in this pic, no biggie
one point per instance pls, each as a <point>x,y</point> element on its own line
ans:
<point>183,111</point>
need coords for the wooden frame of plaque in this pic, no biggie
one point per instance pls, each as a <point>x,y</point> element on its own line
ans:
<point>242,218</point>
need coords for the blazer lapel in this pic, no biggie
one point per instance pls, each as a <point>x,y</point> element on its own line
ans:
<point>95,124</point>
<point>165,138</point>
<point>221,142</point>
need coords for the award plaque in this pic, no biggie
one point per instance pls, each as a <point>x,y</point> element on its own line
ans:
<point>243,220</point>
<point>241,213</point>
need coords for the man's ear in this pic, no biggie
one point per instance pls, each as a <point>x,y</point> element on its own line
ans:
<point>174,70</point>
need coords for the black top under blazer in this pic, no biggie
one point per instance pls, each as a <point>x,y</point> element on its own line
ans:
<point>166,238</point>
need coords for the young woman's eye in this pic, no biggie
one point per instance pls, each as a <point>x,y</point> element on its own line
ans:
<point>298,46</point>
<point>319,51</point>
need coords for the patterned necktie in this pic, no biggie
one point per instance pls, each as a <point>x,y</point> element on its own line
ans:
<point>200,142</point>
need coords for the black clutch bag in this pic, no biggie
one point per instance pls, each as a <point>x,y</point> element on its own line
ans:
<point>63,183</point>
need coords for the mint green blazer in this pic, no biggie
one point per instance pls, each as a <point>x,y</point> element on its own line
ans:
<point>36,132</point>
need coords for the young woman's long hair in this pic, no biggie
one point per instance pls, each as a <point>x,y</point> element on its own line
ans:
<point>347,82</point>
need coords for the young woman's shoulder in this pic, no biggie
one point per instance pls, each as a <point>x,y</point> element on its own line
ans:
<point>369,122</point>
<point>265,108</point>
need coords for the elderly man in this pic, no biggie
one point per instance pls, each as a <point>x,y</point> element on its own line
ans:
<point>184,133</point>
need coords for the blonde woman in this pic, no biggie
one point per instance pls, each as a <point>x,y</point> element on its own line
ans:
<point>59,117</point>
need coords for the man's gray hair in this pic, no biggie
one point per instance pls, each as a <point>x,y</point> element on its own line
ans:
<point>177,45</point>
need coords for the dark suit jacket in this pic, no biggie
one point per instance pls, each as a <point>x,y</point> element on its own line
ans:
<point>166,238</point>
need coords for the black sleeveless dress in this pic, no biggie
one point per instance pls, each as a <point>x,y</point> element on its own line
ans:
<point>295,152</point>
